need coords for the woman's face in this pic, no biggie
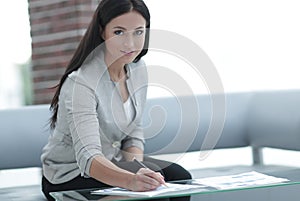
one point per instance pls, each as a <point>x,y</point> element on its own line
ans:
<point>124,37</point>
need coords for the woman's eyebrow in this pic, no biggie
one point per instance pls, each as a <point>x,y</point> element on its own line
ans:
<point>141,27</point>
<point>119,27</point>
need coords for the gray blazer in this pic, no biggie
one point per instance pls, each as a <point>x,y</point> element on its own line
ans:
<point>91,119</point>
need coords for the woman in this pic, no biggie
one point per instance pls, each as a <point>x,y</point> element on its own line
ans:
<point>97,109</point>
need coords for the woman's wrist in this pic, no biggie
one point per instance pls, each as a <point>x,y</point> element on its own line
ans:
<point>129,181</point>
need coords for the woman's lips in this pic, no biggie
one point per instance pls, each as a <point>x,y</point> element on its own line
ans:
<point>128,53</point>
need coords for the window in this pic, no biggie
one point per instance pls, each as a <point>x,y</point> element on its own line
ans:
<point>254,45</point>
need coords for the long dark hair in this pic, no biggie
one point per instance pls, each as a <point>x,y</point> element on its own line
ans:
<point>105,12</point>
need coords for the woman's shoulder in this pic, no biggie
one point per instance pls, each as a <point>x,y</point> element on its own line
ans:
<point>138,72</point>
<point>138,68</point>
<point>89,74</point>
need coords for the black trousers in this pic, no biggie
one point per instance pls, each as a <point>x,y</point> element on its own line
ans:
<point>171,172</point>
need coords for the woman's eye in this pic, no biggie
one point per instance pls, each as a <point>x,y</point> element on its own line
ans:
<point>118,32</point>
<point>139,32</point>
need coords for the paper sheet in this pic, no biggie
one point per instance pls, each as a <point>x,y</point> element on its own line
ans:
<point>171,188</point>
<point>247,179</point>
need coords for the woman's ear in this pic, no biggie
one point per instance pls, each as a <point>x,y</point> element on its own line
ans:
<point>102,35</point>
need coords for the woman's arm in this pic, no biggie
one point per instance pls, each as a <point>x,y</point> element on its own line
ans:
<point>106,172</point>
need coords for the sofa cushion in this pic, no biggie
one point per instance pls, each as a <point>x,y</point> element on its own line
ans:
<point>181,124</point>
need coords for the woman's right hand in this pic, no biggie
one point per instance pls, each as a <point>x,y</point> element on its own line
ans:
<point>146,180</point>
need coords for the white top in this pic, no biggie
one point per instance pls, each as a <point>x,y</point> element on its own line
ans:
<point>129,110</point>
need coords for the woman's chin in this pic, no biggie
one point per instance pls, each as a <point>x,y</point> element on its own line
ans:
<point>128,58</point>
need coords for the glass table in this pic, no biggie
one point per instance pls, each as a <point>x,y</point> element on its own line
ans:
<point>287,191</point>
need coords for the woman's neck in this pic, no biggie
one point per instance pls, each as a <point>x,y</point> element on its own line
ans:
<point>116,73</point>
<point>115,68</point>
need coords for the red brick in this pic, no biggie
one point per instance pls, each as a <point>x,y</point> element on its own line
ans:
<point>51,20</point>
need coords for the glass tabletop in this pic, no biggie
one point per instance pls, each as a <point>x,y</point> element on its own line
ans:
<point>204,187</point>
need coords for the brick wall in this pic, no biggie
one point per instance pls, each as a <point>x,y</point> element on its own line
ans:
<point>56,29</point>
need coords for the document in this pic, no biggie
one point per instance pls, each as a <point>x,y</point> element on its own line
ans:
<point>243,180</point>
<point>170,189</point>
<point>247,179</point>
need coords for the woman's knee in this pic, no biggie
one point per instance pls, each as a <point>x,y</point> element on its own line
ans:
<point>177,172</point>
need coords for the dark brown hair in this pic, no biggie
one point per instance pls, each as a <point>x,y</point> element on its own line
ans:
<point>105,12</point>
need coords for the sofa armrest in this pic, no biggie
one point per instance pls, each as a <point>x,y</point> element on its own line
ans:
<point>24,132</point>
<point>274,120</point>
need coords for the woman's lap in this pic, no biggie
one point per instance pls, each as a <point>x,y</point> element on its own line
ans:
<point>171,172</point>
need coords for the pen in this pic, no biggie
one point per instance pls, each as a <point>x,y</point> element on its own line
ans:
<point>140,163</point>
<point>144,166</point>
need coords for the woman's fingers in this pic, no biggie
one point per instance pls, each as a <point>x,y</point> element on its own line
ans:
<point>150,179</point>
<point>143,183</point>
<point>145,180</point>
<point>157,176</point>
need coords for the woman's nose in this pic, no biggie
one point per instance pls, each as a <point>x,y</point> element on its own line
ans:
<point>128,41</point>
